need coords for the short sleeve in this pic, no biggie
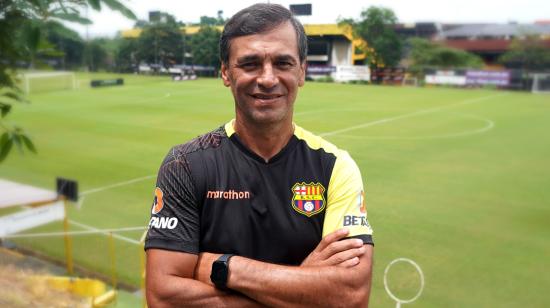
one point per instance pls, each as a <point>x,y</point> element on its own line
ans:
<point>346,207</point>
<point>174,223</point>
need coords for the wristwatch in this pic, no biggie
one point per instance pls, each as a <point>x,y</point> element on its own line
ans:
<point>220,271</point>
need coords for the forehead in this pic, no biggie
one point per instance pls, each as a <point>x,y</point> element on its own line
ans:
<point>281,40</point>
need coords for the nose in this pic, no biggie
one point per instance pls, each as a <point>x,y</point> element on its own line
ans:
<point>267,78</point>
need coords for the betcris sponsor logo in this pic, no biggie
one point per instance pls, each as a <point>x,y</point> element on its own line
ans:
<point>163,222</point>
<point>352,220</point>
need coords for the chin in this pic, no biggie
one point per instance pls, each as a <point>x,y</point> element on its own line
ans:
<point>268,117</point>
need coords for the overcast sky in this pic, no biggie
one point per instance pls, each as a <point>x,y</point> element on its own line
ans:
<point>107,23</point>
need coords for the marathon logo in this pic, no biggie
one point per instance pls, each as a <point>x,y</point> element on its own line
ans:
<point>228,194</point>
<point>351,220</point>
<point>163,222</point>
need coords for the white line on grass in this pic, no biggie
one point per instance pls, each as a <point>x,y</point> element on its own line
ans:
<point>408,115</point>
<point>98,189</point>
<point>107,231</point>
<point>489,125</point>
<point>103,188</point>
<point>429,110</point>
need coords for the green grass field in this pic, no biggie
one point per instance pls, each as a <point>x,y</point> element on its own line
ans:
<point>457,180</point>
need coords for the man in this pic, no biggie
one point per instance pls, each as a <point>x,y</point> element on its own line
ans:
<point>252,214</point>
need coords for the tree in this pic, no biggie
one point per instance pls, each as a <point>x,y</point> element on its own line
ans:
<point>212,21</point>
<point>426,54</point>
<point>528,53</point>
<point>95,55</point>
<point>376,27</point>
<point>125,55</point>
<point>204,46</point>
<point>66,41</point>
<point>21,38</point>
<point>161,43</point>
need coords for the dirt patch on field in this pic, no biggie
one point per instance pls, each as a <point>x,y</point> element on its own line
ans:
<point>19,289</point>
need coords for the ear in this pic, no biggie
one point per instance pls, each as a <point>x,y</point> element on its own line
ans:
<point>303,70</point>
<point>225,75</point>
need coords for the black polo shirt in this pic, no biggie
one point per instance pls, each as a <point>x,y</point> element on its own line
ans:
<point>215,195</point>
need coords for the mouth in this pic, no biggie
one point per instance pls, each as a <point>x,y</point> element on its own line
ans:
<point>265,97</point>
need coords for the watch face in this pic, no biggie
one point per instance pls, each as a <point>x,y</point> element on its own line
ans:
<point>219,273</point>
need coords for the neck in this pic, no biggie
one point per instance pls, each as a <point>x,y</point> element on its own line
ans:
<point>264,140</point>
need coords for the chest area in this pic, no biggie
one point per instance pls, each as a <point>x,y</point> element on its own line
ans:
<point>266,211</point>
<point>294,187</point>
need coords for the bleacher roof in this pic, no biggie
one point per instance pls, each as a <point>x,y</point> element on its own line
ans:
<point>311,29</point>
<point>13,194</point>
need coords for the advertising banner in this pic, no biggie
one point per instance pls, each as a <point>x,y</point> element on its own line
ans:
<point>351,72</point>
<point>30,218</point>
<point>496,78</point>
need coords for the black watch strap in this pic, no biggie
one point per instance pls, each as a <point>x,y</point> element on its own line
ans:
<point>225,258</point>
<point>220,271</point>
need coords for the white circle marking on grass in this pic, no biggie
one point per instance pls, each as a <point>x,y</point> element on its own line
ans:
<point>489,124</point>
<point>395,298</point>
<point>412,114</point>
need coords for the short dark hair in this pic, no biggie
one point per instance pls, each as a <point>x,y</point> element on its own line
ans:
<point>259,18</point>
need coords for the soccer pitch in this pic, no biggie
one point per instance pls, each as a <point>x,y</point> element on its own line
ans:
<point>456,180</point>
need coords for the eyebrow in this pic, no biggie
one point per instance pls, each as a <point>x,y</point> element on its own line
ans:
<point>250,58</point>
<point>255,58</point>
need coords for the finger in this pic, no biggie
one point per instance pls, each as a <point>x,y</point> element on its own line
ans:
<point>331,238</point>
<point>345,256</point>
<point>350,263</point>
<point>340,246</point>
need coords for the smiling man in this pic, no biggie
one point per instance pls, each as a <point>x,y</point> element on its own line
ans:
<point>259,212</point>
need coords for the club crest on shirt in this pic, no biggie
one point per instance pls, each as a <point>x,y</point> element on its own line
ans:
<point>308,199</point>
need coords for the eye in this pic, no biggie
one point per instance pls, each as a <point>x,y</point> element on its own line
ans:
<point>248,65</point>
<point>285,64</point>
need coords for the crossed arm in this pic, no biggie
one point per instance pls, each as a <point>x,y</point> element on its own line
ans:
<point>337,273</point>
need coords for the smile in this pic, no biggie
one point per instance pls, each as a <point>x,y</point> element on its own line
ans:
<point>266,96</point>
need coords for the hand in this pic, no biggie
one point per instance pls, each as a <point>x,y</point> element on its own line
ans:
<point>332,250</point>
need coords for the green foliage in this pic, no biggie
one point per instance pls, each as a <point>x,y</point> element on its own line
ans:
<point>95,55</point>
<point>67,42</point>
<point>125,55</point>
<point>204,46</point>
<point>528,53</point>
<point>26,34</point>
<point>426,54</point>
<point>376,27</point>
<point>161,42</point>
<point>212,21</point>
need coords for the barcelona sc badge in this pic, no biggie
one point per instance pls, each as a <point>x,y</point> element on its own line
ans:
<point>308,199</point>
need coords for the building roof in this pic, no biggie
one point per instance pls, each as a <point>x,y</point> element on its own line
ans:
<point>496,30</point>
<point>487,46</point>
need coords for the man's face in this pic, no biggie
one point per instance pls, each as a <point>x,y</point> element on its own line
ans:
<point>264,73</point>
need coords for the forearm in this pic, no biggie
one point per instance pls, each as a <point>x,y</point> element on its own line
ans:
<point>170,283</point>
<point>277,285</point>
<point>176,291</point>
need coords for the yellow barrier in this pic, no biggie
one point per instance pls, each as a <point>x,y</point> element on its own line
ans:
<point>84,287</point>
<point>104,299</point>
